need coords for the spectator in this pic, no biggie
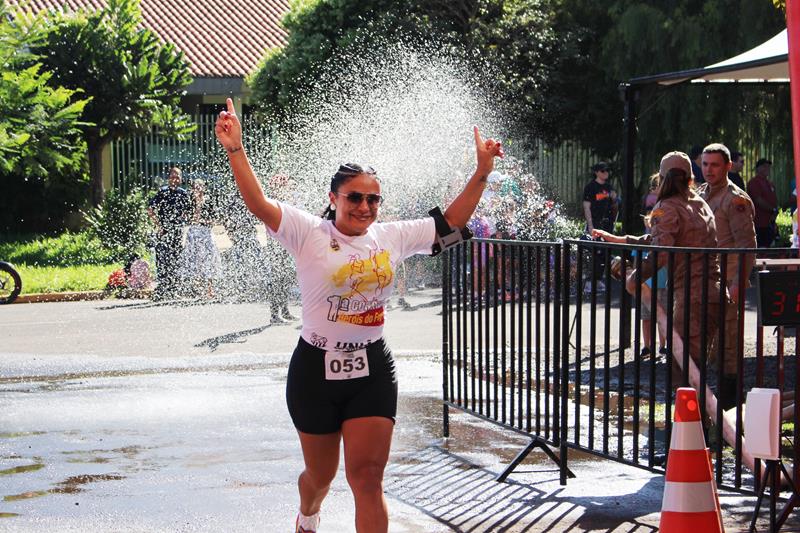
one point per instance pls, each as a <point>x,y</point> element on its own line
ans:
<point>733,216</point>
<point>599,206</point>
<point>695,154</point>
<point>737,165</point>
<point>762,192</point>
<point>169,211</point>
<point>283,274</point>
<point>648,203</point>
<point>599,199</point>
<point>246,264</point>
<point>201,261</point>
<point>649,200</point>
<point>138,273</point>
<point>681,219</point>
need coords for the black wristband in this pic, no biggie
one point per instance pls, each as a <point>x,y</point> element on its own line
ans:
<point>233,150</point>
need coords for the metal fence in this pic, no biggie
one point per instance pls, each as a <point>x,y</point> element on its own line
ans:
<point>542,339</point>
<point>501,337</point>
<point>144,161</point>
<point>563,169</point>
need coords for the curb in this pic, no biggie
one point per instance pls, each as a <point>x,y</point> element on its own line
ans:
<point>61,297</point>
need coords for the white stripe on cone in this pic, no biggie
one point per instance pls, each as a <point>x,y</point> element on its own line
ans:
<point>687,436</point>
<point>688,497</point>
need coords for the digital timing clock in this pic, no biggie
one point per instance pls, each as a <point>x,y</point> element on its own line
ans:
<point>779,298</point>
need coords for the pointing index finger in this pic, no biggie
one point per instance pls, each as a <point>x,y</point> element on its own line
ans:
<point>231,109</point>
<point>478,139</point>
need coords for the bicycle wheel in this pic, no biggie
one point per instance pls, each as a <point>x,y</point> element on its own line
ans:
<point>10,283</point>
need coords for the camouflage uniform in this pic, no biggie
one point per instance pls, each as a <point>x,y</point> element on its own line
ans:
<point>733,215</point>
<point>686,222</point>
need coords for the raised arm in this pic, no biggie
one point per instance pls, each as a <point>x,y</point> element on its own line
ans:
<point>229,134</point>
<point>461,208</point>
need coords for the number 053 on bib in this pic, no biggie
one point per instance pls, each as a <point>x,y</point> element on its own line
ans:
<point>346,365</point>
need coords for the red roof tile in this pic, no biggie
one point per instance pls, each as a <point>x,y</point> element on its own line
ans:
<point>221,38</point>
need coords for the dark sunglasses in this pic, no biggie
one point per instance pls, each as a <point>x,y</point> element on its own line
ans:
<point>355,198</point>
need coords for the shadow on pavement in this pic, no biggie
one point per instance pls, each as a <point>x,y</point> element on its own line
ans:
<point>465,497</point>
<point>237,337</point>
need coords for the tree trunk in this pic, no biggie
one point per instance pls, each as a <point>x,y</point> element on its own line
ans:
<point>95,149</point>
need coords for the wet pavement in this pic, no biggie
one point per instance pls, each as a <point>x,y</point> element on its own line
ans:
<point>134,416</point>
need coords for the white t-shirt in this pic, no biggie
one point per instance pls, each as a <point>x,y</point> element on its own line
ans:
<point>345,281</point>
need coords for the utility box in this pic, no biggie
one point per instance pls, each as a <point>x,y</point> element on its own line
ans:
<point>762,423</point>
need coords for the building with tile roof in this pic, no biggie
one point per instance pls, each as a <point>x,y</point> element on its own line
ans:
<point>224,40</point>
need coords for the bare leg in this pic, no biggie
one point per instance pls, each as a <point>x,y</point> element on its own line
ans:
<point>646,333</point>
<point>366,451</point>
<point>321,456</point>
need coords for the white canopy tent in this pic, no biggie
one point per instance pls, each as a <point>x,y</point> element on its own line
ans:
<point>766,63</point>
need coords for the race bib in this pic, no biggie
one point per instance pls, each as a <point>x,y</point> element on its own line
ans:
<point>346,365</point>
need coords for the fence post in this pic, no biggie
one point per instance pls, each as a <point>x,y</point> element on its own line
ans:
<point>445,342</point>
<point>562,304</point>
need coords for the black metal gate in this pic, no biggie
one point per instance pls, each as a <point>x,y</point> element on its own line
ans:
<point>540,338</point>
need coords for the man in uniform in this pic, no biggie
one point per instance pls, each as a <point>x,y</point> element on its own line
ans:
<point>733,215</point>
<point>169,211</point>
<point>681,219</point>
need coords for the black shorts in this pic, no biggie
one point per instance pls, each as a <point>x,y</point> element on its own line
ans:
<point>319,406</point>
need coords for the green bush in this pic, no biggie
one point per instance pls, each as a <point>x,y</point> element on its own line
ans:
<point>784,223</point>
<point>121,223</point>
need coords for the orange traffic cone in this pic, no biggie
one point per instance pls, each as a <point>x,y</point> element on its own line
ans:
<point>690,495</point>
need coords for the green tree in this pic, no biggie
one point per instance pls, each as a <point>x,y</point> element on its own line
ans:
<point>559,63</point>
<point>135,81</point>
<point>38,122</point>
<point>514,37</point>
<point>319,30</point>
<point>617,40</point>
<point>41,149</point>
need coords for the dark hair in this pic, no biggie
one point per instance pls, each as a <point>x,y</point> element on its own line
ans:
<point>695,151</point>
<point>345,173</point>
<point>675,182</point>
<point>718,148</point>
<point>736,155</point>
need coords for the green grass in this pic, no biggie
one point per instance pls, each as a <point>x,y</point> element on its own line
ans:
<point>37,279</point>
<point>59,263</point>
<point>67,249</point>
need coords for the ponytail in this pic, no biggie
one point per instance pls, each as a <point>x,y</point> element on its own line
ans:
<point>329,214</point>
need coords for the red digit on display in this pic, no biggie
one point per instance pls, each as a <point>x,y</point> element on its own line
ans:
<point>797,305</point>
<point>779,303</point>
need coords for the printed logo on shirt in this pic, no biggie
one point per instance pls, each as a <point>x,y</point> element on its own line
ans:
<point>350,346</point>
<point>740,203</point>
<point>602,195</point>
<point>318,340</point>
<point>364,281</point>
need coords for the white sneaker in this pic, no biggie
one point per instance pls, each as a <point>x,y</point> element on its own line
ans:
<point>306,524</point>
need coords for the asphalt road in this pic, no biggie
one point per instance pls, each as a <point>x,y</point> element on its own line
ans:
<point>141,416</point>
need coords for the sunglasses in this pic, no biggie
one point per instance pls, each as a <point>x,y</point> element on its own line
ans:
<point>355,198</point>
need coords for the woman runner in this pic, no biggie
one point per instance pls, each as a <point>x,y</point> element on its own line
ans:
<point>341,385</point>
